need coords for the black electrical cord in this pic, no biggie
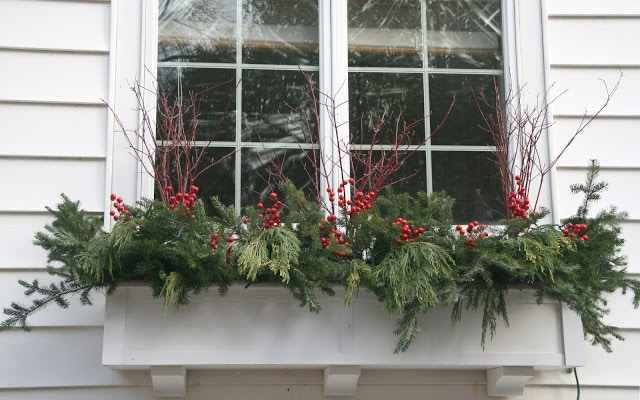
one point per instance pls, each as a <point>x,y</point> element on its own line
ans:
<point>575,373</point>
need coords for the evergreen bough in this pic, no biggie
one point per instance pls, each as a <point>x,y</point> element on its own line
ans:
<point>181,253</point>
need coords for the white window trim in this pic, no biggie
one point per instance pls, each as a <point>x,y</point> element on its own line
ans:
<point>133,53</point>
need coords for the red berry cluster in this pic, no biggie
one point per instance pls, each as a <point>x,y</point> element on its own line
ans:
<point>407,234</point>
<point>121,210</point>
<point>215,238</point>
<point>334,234</point>
<point>271,215</point>
<point>472,233</point>
<point>355,206</point>
<point>518,201</point>
<point>573,231</point>
<point>186,200</point>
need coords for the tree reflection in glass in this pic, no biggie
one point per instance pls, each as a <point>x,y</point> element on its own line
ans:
<point>197,30</point>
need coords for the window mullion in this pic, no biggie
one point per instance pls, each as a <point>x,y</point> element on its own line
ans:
<point>334,108</point>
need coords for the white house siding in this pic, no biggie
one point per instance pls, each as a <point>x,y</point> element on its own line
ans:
<point>59,59</point>
<point>54,73</point>
<point>591,43</point>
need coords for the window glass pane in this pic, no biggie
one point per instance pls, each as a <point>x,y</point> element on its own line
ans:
<point>410,178</point>
<point>262,167</point>
<point>216,106</point>
<point>276,107</point>
<point>462,125</point>
<point>378,97</point>
<point>472,179</point>
<point>197,30</point>
<point>280,32</point>
<point>385,33</point>
<point>219,179</point>
<point>464,33</point>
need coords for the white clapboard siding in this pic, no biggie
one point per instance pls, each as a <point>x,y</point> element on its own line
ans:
<point>623,315</point>
<point>17,233</point>
<point>57,25</point>
<point>309,392</point>
<point>591,42</point>
<point>584,90</point>
<point>610,140</point>
<point>577,8</point>
<point>34,76</point>
<point>58,357</point>
<point>570,392</point>
<point>619,368</point>
<point>631,235</point>
<point>40,181</point>
<point>594,41</point>
<point>53,130</point>
<point>620,182</point>
<point>51,316</point>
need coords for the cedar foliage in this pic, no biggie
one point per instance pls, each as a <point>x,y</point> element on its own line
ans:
<point>174,253</point>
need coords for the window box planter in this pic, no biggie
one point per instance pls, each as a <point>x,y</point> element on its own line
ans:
<point>264,327</point>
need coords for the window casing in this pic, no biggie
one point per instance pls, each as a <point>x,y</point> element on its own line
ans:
<point>369,59</point>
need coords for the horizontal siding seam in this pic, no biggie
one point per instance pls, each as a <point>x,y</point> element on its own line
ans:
<point>9,270</point>
<point>592,65</point>
<point>600,117</point>
<point>47,157</point>
<point>566,385</point>
<point>59,50</point>
<point>73,1</point>
<point>40,212</point>
<point>37,102</point>
<point>602,168</point>
<point>600,16</point>
<point>595,66</point>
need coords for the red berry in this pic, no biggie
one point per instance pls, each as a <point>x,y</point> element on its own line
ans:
<point>113,196</point>
<point>112,213</point>
<point>273,195</point>
<point>169,189</point>
<point>115,217</point>
<point>230,240</point>
<point>259,206</point>
<point>332,218</point>
<point>119,200</point>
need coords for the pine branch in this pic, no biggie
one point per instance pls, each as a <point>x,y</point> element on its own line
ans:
<point>53,293</point>
<point>591,189</point>
<point>65,239</point>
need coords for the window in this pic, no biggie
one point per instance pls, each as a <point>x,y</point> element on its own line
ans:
<point>371,58</point>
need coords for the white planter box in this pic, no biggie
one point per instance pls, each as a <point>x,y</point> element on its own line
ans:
<point>264,327</point>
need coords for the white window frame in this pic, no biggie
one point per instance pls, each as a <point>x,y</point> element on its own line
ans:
<point>134,58</point>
